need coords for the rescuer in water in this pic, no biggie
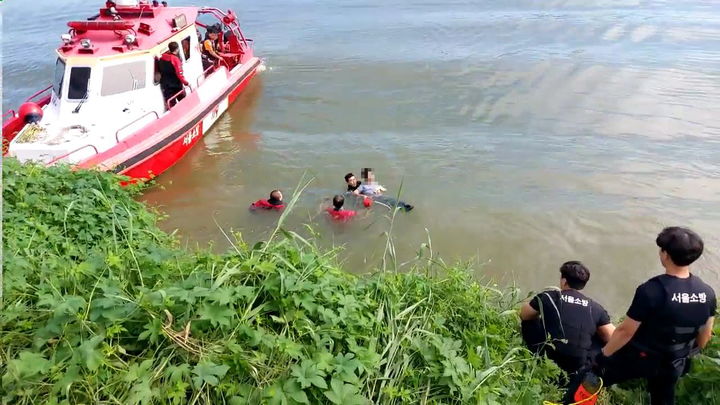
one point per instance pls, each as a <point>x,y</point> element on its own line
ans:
<point>275,202</point>
<point>575,323</point>
<point>337,213</point>
<point>670,319</point>
<point>171,74</point>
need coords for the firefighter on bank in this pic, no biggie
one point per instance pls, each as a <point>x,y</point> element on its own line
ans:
<point>670,319</point>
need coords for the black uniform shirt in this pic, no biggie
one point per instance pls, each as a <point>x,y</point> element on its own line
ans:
<point>690,302</point>
<point>575,308</point>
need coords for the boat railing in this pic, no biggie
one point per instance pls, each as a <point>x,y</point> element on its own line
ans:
<point>36,96</point>
<point>169,103</point>
<point>157,116</point>
<point>57,159</point>
<point>204,74</point>
<point>210,70</point>
<point>219,14</point>
<point>8,115</point>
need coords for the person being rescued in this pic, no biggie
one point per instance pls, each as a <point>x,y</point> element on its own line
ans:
<point>210,56</point>
<point>171,74</point>
<point>337,213</point>
<point>275,202</point>
<point>370,188</point>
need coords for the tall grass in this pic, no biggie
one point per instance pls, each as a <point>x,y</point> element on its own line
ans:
<point>103,307</point>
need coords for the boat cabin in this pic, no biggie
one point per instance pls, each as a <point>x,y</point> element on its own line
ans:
<point>106,83</point>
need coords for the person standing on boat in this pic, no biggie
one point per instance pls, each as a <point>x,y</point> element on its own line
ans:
<point>171,74</point>
<point>670,319</point>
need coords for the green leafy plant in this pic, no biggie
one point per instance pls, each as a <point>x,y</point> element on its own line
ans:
<point>102,307</point>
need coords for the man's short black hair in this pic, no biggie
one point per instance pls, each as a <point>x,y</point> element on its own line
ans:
<point>173,46</point>
<point>575,273</point>
<point>681,244</point>
<point>275,194</point>
<point>338,202</point>
<point>347,176</point>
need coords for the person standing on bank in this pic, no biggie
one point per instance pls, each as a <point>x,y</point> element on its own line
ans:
<point>171,74</point>
<point>670,319</point>
<point>576,324</point>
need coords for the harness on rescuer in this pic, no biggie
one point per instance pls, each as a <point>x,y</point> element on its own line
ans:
<point>658,337</point>
<point>575,340</point>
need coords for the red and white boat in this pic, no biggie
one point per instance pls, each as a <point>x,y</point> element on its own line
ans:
<point>105,108</point>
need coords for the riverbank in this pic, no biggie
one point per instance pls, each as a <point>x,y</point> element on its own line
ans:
<point>101,306</point>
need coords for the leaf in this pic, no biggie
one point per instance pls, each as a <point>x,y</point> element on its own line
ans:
<point>91,356</point>
<point>71,376</point>
<point>275,395</point>
<point>152,332</point>
<point>221,296</point>
<point>141,393</point>
<point>178,373</point>
<point>287,393</point>
<point>323,360</point>
<point>28,364</point>
<point>216,314</point>
<point>306,301</point>
<point>345,366</point>
<point>308,374</point>
<point>138,371</point>
<point>208,373</point>
<point>344,394</point>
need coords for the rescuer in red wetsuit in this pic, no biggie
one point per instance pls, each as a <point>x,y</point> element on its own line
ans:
<point>337,213</point>
<point>275,202</point>
<point>171,74</point>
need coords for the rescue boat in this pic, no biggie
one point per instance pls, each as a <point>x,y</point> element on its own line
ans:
<point>105,109</point>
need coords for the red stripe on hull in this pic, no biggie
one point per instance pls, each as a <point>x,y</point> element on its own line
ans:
<point>165,158</point>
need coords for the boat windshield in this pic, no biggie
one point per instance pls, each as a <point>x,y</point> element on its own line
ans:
<point>78,86</point>
<point>59,75</point>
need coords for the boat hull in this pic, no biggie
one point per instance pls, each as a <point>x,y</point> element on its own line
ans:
<point>158,146</point>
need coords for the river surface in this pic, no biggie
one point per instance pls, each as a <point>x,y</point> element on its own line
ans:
<point>526,133</point>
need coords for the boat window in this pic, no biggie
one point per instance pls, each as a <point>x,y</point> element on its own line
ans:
<point>124,77</point>
<point>78,87</point>
<point>59,75</point>
<point>186,47</point>
<point>157,76</point>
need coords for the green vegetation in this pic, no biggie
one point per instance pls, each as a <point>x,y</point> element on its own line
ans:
<point>103,307</point>
<point>100,306</point>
